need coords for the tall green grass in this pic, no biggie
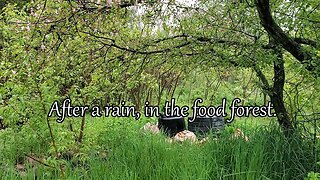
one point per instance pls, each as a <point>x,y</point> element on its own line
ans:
<point>138,155</point>
<point>268,155</point>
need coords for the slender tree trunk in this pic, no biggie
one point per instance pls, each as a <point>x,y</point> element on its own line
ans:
<point>276,95</point>
<point>265,99</point>
<point>275,92</point>
<point>81,129</point>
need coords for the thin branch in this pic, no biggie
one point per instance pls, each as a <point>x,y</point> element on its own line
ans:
<point>39,161</point>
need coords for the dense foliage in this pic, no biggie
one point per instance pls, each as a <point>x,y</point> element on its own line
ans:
<point>104,52</point>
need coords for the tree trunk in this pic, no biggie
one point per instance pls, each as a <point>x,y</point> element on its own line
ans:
<point>276,95</point>
<point>276,92</point>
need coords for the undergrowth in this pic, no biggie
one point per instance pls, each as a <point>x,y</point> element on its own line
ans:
<point>121,151</point>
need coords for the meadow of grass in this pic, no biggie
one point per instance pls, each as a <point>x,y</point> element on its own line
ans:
<point>121,151</point>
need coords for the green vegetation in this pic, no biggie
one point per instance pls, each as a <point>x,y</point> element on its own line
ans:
<point>104,52</point>
<point>120,150</point>
<point>117,148</point>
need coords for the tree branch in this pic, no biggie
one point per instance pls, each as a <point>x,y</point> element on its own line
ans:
<point>292,46</point>
<point>307,42</point>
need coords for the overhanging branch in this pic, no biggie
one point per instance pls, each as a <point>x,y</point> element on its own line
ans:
<point>288,43</point>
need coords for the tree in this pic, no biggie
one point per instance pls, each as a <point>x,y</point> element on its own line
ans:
<point>293,46</point>
<point>119,40</point>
